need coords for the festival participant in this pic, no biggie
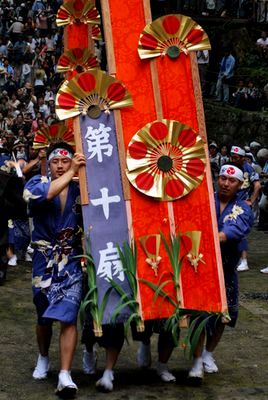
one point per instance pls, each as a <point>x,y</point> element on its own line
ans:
<point>11,206</point>
<point>235,219</point>
<point>165,347</point>
<point>112,341</point>
<point>249,192</point>
<point>57,276</point>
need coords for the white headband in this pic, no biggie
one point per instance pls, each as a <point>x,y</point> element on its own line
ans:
<point>60,153</point>
<point>237,150</point>
<point>231,171</point>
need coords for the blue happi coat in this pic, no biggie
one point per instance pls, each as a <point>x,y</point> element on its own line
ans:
<point>235,221</point>
<point>56,238</point>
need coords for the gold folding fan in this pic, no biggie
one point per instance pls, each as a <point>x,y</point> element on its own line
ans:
<point>171,34</point>
<point>53,134</point>
<point>77,12</point>
<point>77,59</point>
<point>166,160</point>
<point>91,93</point>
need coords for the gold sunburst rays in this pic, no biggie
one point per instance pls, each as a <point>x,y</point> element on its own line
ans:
<point>91,93</point>
<point>170,35</point>
<point>166,160</point>
<point>77,12</point>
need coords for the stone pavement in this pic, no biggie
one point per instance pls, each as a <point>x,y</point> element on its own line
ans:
<point>242,355</point>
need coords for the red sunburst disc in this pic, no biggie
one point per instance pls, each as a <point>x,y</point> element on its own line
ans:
<point>54,129</point>
<point>95,31</point>
<point>195,36</point>
<point>144,181</point>
<point>137,150</point>
<point>64,61</point>
<point>39,138</point>
<point>159,130</point>
<point>150,244</point>
<point>87,81</point>
<point>148,42</point>
<point>116,92</point>
<point>174,188</point>
<point>195,167</point>
<point>78,5</point>
<point>92,14</point>
<point>62,14</point>
<point>77,53</point>
<point>171,24</point>
<point>187,138</point>
<point>66,101</point>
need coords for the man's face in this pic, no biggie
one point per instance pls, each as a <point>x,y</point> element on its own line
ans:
<point>58,166</point>
<point>237,158</point>
<point>228,186</point>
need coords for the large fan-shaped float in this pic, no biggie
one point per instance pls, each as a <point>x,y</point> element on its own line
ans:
<point>53,134</point>
<point>166,160</point>
<point>77,59</point>
<point>170,35</point>
<point>91,93</point>
<point>77,12</point>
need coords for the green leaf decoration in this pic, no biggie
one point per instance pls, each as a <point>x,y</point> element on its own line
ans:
<point>128,257</point>
<point>198,324</point>
<point>90,302</point>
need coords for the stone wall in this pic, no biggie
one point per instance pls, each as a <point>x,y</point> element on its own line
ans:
<point>226,124</point>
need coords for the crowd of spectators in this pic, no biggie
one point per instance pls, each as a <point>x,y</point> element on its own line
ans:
<point>244,9</point>
<point>30,45</point>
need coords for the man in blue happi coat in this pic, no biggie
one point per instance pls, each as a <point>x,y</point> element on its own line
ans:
<point>235,219</point>
<point>249,192</point>
<point>57,277</point>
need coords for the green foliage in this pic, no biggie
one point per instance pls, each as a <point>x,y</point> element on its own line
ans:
<point>90,302</point>
<point>198,319</point>
<point>259,74</point>
<point>128,256</point>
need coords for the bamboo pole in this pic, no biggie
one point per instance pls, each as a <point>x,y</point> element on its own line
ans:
<point>203,134</point>
<point>82,170</point>
<point>117,113</point>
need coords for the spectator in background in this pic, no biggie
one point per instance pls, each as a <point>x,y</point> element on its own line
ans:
<point>16,29</point>
<point>262,44</point>
<point>224,155</point>
<point>254,147</point>
<point>239,94</point>
<point>214,158</point>
<point>203,61</point>
<point>253,97</point>
<point>225,76</point>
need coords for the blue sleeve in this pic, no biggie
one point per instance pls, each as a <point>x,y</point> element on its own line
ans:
<point>254,176</point>
<point>238,228</point>
<point>36,190</point>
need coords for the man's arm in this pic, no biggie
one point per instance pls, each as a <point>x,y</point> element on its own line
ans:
<point>255,193</point>
<point>222,237</point>
<point>57,185</point>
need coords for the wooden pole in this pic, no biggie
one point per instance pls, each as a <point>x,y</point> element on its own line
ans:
<point>203,134</point>
<point>73,42</point>
<point>117,113</point>
<point>82,170</point>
